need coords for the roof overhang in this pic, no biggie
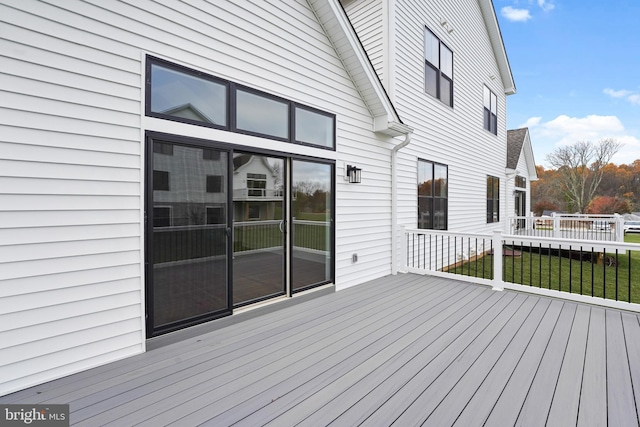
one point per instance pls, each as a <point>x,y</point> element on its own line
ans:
<point>493,29</point>
<point>338,28</point>
<point>527,152</point>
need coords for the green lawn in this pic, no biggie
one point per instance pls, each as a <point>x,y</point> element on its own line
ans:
<point>561,273</point>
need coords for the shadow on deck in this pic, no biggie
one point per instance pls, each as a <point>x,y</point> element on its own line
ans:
<point>403,350</point>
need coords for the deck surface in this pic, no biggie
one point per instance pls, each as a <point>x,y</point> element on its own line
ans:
<point>403,350</point>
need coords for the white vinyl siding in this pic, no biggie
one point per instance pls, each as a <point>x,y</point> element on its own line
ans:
<point>368,18</point>
<point>71,190</point>
<point>452,136</point>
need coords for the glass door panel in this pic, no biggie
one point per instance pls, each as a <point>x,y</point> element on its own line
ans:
<point>189,241</point>
<point>311,203</point>
<point>259,228</point>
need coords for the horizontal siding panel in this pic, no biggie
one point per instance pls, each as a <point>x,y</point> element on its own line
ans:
<point>46,267</point>
<point>22,236</point>
<point>36,251</point>
<point>25,319</point>
<point>67,186</point>
<point>68,325</point>
<point>25,119</point>
<point>41,105</point>
<point>39,137</point>
<point>126,289</point>
<point>75,355</point>
<point>54,75</point>
<point>39,89</point>
<point>13,202</point>
<point>11,219</point>
<point>67,173</point>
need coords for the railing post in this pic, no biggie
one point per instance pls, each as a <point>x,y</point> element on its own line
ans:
<point>497,260</point>
<point>619,227</point>
<point>403,249</point>
<point>556,225</point>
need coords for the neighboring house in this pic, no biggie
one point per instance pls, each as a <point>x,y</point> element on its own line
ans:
<point>135,135</point>
<point>521,170</point>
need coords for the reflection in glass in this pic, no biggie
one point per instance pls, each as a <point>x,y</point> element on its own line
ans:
<point>258,230</point>
<point>311,228</point>
<point>262,115</point>
<point>314,128</point>
<point>189,238</point>
<point>181,95</point>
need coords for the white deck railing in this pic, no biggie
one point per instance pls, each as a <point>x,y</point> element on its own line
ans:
<point>594,271</point>
<point>570,226</point>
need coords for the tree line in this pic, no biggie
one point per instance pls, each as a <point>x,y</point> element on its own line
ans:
<point>582,180</point>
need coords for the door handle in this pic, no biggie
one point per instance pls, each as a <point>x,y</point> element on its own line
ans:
<point>281,226</point>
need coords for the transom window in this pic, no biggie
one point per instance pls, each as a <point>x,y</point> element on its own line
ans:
<point>185,95</point>
<point>490,111</point>
<point>432,195</point>
<point>438,70</point>
<point>521,182</point>
<point>493,199</point>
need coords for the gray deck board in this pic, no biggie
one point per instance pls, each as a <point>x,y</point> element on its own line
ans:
<point>621,404</point>
<point>593,397</point>
<point>402,350</point>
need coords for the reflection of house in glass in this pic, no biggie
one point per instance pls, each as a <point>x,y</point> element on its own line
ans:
<point>188,111</point>
<point>189,196</point>
<point>257,188</point>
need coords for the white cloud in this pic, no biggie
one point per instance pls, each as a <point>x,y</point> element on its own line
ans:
<point>517,15</point>
<point>631,96</point>
<point>545,5</point>
<point>564,130</point>
<point>617,93</point>
<point>533,121</point>
<point>634,99</point>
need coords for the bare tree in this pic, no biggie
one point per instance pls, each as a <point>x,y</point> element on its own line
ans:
<point>580,167</point>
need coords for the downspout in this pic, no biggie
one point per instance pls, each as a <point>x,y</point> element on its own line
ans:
<point>394,202</point>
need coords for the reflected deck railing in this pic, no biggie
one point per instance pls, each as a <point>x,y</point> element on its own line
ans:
<point>588,270</point>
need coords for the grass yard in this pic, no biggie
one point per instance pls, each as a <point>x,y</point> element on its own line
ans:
<point>569,275</point>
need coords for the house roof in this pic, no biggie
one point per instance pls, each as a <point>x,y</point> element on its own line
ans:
<point>519,144</point>
<point>343,36</point>
<point>495,35</point>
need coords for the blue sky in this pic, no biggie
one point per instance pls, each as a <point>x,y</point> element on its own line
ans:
<point>576,64</point>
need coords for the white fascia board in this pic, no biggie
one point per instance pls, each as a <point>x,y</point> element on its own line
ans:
<point>493,29</point>
<point>527,151</point>
<point>338,28</point>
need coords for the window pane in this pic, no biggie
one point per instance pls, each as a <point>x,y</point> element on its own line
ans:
<point>446,61</point>
<point>494,103</point>
<point>181,95</point>
<point>487,119</point>
<point>431,47</point>
<point>494,124</point>
<point>263,115</point>
<point>486,98</point>
<point>439,214</point>
<point>425,209</point>
<point>431,81</point>
<point>440,183</point>
<point>445,91</point>
<point>425,178</point>
<point>314,128</point>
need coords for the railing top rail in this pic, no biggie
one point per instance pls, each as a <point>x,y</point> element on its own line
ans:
<point>447,233</point>
<point>609,244</point>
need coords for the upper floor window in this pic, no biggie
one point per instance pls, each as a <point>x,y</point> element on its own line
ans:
<point>521,182</point>
<point>490,111</point>
<point>438,70</point>
<point>432,195</point>
<point>179,93</point>
<point>493,199</point>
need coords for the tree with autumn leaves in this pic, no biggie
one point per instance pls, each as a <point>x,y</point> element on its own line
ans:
<point>584,181</point>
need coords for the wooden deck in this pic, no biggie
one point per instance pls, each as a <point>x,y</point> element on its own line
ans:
<point>404,350</point>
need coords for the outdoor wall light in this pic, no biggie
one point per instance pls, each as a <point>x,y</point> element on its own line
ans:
<point>354,174</point>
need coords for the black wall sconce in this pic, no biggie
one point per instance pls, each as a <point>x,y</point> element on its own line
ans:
<point>354,174</point>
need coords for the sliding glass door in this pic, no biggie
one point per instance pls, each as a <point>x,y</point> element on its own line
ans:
<point>188,244</point>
